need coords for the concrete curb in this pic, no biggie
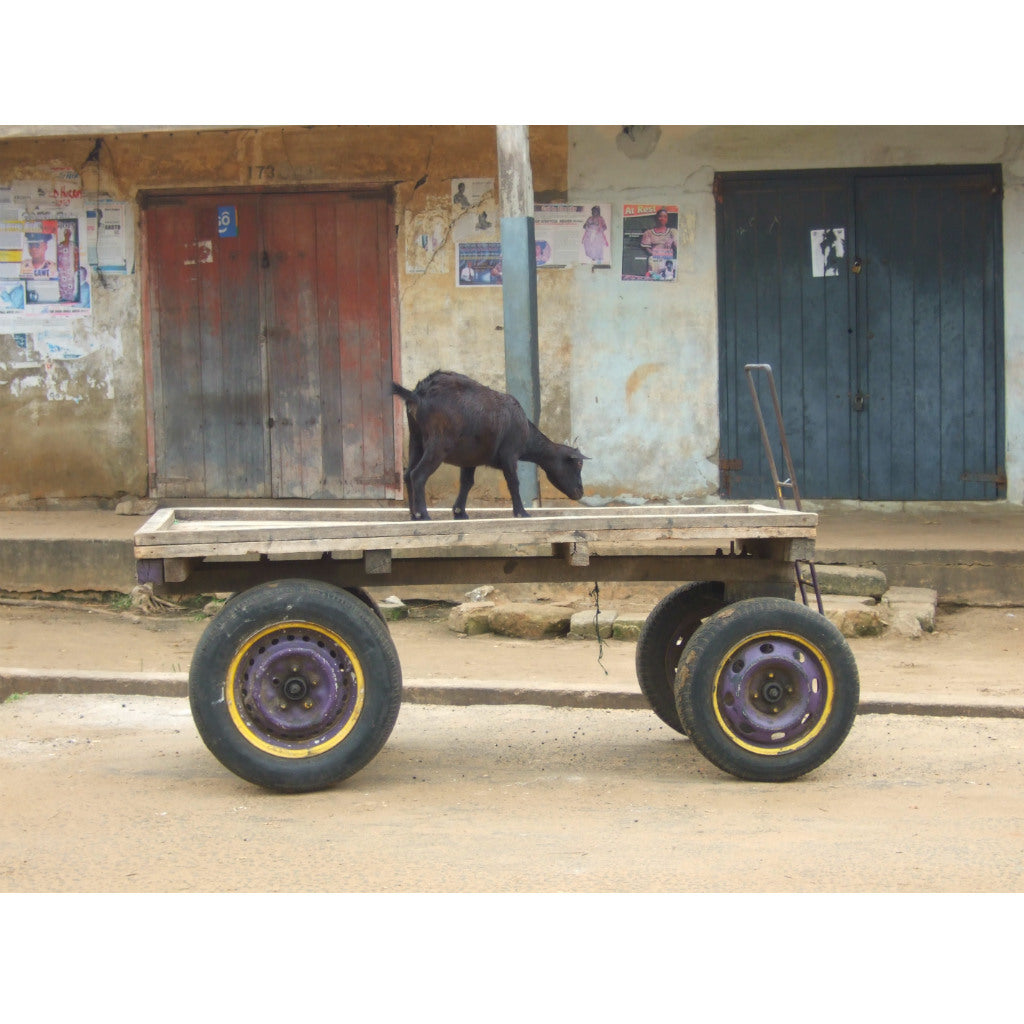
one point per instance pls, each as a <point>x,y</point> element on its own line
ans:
<point>175,684</point>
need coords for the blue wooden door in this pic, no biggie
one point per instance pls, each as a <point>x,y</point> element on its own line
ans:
<point>774,308</point>
<point>875,297</point>
<point>929,355</point>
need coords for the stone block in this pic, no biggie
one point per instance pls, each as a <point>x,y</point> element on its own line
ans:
<point>471,618</point>
<point>393,609</point>
<point>903,622</point>
<point>855,616</point>
<point>586,626</point>
<point>910,595</point>
<point>627,626</point>
<point>848,580</point>
<point>918,603</point>
<point>530,621</point>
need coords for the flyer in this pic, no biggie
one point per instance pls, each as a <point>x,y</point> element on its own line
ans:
<point>650,242</point>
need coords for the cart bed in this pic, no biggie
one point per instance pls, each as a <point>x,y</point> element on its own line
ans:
<point>203,549</point>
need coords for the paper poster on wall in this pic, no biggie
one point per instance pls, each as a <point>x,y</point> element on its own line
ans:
<point>426,238</point>
<point>111,237</point>
<point>474,210</point>
<point>42,234</point>
<point>479,263</point>
<point>571,234</point>
<point>828,250</point>
<point>650,242</point>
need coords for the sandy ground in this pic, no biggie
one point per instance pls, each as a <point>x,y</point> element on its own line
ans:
<point>118,794</point>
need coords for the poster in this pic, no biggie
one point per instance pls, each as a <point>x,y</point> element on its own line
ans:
<point>111,232</point>
<point>650,242</point>
<point>43,275</point>
<point>426,238</point>
<point>828,249</point>
<point>479,263</point>
<point>474,210</point>
<point>568,234</point>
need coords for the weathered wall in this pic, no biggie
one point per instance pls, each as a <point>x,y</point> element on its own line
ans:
<point>78,430</point>
<point>629,370</point>
<point>644,381</point>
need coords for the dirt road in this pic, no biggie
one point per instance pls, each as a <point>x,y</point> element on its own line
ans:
<point>119,794</point>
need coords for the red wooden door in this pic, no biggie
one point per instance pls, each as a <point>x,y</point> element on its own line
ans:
<point>272,349</point>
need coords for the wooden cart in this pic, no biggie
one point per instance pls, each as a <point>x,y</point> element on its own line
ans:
<point>296,683</point>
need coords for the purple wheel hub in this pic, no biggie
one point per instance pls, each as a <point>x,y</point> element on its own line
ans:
<point>771,691</point>
<point>296,683</point>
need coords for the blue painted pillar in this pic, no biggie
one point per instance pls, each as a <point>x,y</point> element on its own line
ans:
<point>519,283</point>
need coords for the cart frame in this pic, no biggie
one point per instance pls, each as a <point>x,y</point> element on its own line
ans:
<point>296,684</point>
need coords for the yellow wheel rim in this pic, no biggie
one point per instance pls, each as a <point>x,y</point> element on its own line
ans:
<point>295,689</point>
<point>773,693</point>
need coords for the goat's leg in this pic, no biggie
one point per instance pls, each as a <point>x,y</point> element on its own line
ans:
<point>418,477</point>
<point>511,471</point>
<point>466,476</point>
<point>415,454</point>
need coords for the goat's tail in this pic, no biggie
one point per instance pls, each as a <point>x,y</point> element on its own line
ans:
<point>404,393</point>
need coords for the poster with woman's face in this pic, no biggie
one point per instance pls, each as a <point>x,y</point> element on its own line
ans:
<point>650,242</point>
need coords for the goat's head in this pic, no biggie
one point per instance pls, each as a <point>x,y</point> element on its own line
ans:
<point>565,471</point>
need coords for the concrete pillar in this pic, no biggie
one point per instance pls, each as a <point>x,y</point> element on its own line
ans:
<point>519,282</point>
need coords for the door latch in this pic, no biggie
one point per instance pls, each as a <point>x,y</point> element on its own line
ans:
<point>859,401</point>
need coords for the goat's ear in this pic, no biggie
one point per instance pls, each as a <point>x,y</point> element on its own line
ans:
<point>576,448</point>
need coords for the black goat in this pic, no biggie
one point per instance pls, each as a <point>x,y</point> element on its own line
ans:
<point>457,420</point>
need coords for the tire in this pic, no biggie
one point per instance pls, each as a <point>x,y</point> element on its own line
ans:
<point>662,639</point>
<point>295,685</point>
<point>767,689</point>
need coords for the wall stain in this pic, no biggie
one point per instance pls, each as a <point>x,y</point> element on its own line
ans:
<point>638,378</point>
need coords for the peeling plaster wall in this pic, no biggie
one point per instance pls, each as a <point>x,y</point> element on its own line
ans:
<point>72,414</point>
<point>644,378</point>
<point>628,370</point>
<point>79,432</point>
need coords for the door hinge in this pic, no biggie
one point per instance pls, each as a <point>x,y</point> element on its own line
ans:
<point>726,467</point>
<point>998,478</point>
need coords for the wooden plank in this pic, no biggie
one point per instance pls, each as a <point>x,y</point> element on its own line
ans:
<point>377,562</point>
<point>232,538</point>
<point>177,399</point>
<point>292,344</point>
<point>279,513</point>
<point>216,517</point>
<point>491,531</point>
<point>213,577</point>
<point>162,519</point>
<point>240,408</point>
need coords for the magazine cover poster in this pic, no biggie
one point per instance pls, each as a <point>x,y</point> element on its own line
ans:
<point>650,242</point>
<point>479,263</point>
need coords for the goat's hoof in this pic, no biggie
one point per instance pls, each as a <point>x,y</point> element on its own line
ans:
<point>521,515</point>
<point>459,513</point>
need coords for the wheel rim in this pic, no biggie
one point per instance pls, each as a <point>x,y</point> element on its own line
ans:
<point>295,689</point>
<point>773,693</point>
